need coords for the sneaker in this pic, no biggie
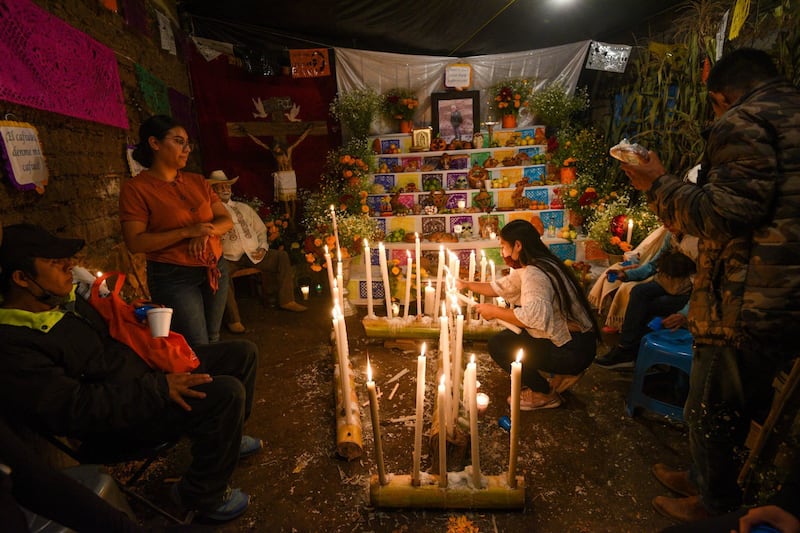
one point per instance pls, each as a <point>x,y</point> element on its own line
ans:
<point>236,327</point>
<point>530,400</point>
<point>294,306</point>
<point>234,503</point>
<point>618,357</point>
<point>249,446</point>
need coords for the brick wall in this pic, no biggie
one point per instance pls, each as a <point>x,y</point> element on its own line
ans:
<point>86,160</point>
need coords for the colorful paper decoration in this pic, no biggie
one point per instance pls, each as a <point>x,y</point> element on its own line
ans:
<point>22,154</point>
<point>310,63</point>
<point>154,91</point>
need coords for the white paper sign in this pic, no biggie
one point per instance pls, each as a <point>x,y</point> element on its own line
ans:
<point>608,57</point>
<point>458,76</point>
<point>167,37</point>
<point>23,156</point>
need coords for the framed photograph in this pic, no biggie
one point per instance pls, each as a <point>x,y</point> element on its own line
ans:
<point>455,115</point>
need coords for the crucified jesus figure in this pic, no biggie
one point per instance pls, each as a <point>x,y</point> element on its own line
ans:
<point>285,178</point>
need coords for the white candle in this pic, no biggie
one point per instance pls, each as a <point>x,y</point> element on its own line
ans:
<point>340,334</point>
<point>472,402</point>
<point>340,283</point>
<point>418,422</point>
<point>471,271</point>
<point>329,266</point>
<point>457,228</point>
<point>442,434</point>
<point>444,354</point>
<point>368,267</point>
<point>396,309</point>
<point>305,290</point>
<point>387,289</point>
<point>376,425</point>
<point>516,387</point>
<point>630,229</point>
<point>492,235</point>
<point>482,401</point>
<point>491,269</point>
<point>409,277</point>
<point>457,365</point>
<point>430,305</point>
<point>345,365</point>
<point>336,232</point>
<point>461,204</point>
<point>439,275</point>
<point>483,272</point>
<point>417,259</point>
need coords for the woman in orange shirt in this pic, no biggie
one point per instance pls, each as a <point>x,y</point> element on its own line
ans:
<point>176,220</point>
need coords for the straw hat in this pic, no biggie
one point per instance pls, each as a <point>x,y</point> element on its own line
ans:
<point>218,177</point>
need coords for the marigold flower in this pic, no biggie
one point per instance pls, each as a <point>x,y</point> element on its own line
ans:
<point>316,268</point>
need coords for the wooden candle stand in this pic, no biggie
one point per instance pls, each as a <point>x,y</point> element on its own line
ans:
<point>381,328</point>
<point>399,492</point>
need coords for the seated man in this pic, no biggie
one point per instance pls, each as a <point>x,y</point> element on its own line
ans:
<point>246,246</point>
<point>62,373</point>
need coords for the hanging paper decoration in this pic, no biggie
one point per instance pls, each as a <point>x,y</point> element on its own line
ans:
<point>608,57</point>
<point>133,165</point>
<point>49,65</point>
<point>310,63</point>
<point>23,157</point>
<point>154,91</point>
<point>167,37</point>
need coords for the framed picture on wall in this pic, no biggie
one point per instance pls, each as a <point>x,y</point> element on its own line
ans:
<point>455,115</point>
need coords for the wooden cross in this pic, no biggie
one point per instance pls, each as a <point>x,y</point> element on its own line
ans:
<point>278,130</point>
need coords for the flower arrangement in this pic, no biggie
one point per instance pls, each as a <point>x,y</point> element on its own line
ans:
<point>400,104</point>
<point>608,226</point>
<point>552,105</point>
<point>356,109</point>
<point>511,96</point>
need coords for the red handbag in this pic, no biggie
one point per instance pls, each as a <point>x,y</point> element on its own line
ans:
<point>170,354</point>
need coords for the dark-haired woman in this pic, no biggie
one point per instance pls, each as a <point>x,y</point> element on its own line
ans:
<point>176,220</point>
<point>559,332</point>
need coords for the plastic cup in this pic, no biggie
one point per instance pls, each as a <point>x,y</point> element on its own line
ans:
<point>504,422</point>
<point>159,319</point>
<point>655,324</point>
<point>612,275</point>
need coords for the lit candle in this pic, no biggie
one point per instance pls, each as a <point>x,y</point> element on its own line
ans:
<point>472,402</point>
<point>461,204</point>
<point>368,268</point>
<point>492,235</point>
<point>483,402</point>
<point>439,275</point>
<point>516,387</point>
<point>491,269</point>
<point>387,289</point>
<point>344,366</point>
<point>329,266</point>
<point>304,290</point>
<point>376,424</point>
<point>340,282</point>
<point>418,422</point>
<point>457,365</point>
<point>458,229</point>
<point>444,354</point>
<point>630,229</point>
<point>417,259</point>
<point>395,309</point>
<point>344,375</point>
<point>471,271</point>
<point>335,231</point>
<point>430,305</point>
<point>442,434</point>
<point>483,272</point>
<point>409,274</point>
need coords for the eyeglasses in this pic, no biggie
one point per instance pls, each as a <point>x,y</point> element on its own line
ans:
<point>183,143</point>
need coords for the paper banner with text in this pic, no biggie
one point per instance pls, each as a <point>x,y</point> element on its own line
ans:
<point>310,63</point>
<point>22,155</point>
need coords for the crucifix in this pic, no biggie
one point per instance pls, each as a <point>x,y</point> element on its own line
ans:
<point>279,129</point>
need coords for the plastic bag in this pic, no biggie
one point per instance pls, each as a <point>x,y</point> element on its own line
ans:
<point>633,154</point>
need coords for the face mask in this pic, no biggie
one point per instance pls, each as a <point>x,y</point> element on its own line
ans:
<point>510,261</point>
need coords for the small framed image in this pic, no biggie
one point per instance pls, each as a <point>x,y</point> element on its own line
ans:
<point>455,115</point>
<point>421,139</point>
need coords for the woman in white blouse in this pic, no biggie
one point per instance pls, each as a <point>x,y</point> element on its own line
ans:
<point>559,332</point>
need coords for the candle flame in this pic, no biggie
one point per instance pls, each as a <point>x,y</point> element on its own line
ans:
<point>408,254</point>
<point>331,207</point>
<point>366,243</point>
<point>483,255</point>
<point>444,309</point>
<point>429,283</point>
<point>99,273</point>
<point>326,249</point>
<point>441,383</point>
<point>369,370</point>
<point>472,359</point>
<point>424,347</point>
<point>441,248</point>
<point>416,235</point>
<point>519,356</point>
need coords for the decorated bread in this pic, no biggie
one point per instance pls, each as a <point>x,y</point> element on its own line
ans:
<point>632,154</point>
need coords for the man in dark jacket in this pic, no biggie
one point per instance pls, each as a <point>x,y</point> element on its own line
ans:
<point>744,309</point>
<point>61,373</point>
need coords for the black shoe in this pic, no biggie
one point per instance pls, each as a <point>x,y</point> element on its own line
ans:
<point>618,357</point>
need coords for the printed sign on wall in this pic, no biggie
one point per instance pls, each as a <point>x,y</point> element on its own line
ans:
<point>311,63</point>
<point>23,155</point>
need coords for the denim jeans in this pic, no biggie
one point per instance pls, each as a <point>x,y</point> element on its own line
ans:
<point>647,300</point>
<point>727,388</point>
<point>541,354</point>
<point>197,310</point>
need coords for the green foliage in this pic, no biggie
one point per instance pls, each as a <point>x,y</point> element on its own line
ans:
<point>553,106</point>
<point>599,229</point>
<point>356,109</point>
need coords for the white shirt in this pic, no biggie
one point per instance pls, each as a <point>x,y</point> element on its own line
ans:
<point>247,235</point>
<point>532,291</point>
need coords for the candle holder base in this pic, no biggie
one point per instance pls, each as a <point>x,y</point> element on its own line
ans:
<point>400,492</point>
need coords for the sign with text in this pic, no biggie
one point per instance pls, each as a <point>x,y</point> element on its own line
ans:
<point>310,63</point>
<point>458,76</point>
<point>23,155</point>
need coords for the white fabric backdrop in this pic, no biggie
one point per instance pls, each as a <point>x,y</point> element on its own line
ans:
<point>383,71</point>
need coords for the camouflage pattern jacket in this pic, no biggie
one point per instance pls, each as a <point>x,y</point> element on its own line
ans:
<point>745,210</point>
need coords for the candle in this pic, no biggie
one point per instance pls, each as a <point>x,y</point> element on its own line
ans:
<point>457,228</point>
<point>482,400</point>
<point>472,402</point>
<point>630,230</point>
<point>516,387</point>
<point>418,422</point>
<point>444,354</point>
<point>395,309</point>
<point>483,272</point>
<point>457,366</point>
<point>471,271</point>
<point>442,434</point>
<point>409,268</point>
<point>368,269</point>
<point>492,235</point>
<point>461,204</point>
<point>387,289</point>
<point>329,266</point>
<point>430,305</point>
<point>417,259</point>
<point>340,334</point>
<point>439,274</point>
<point>340,283</point>
<point>376,424</point>
<point>305,290</point>
<point>335,231</point>
<point>491,269</point>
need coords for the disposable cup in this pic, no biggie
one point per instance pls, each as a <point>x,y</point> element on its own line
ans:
<point>159,319</point>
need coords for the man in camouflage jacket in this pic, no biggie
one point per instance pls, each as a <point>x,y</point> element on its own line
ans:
<point>745,305</point>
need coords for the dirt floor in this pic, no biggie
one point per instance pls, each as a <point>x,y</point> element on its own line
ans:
<point>586,464</point>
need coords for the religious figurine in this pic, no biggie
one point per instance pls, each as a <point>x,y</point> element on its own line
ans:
<point>386,206</point>
<point>477,140</point>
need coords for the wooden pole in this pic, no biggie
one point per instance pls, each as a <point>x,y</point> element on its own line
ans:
<point>349,443</point>
<point>400,493</point>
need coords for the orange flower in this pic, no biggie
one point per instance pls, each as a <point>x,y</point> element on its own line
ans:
<point>330,240</point>
<point>310,258</point>
<point>316,268</point>
<point>365,208</point>
<point>318,242</point>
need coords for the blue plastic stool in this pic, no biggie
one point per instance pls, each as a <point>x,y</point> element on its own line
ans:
<point>663,347</point>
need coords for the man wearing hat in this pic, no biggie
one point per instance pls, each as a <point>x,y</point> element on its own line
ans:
<point>61,373</point>
<point>246,246</point>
